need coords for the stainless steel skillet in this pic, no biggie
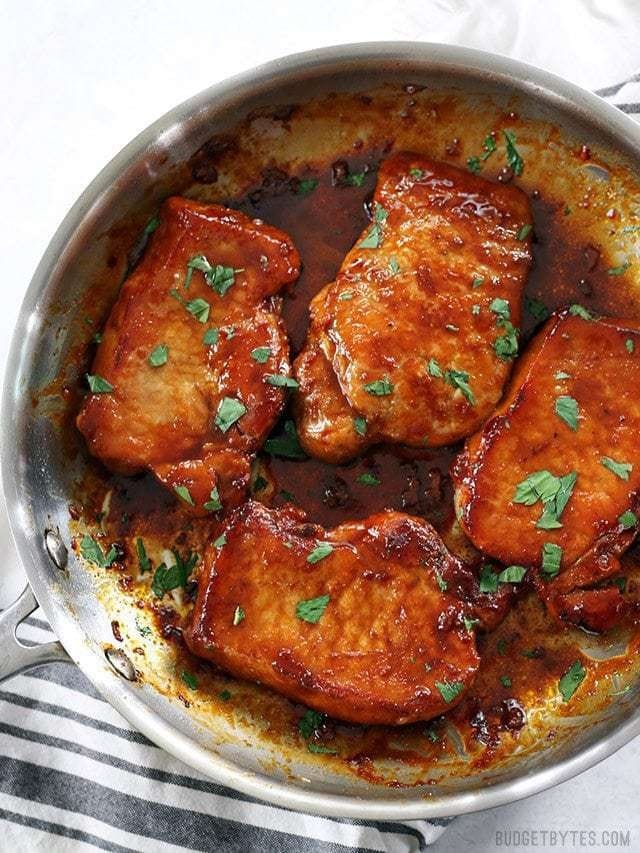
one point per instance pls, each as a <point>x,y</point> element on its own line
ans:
<point>38,475</point>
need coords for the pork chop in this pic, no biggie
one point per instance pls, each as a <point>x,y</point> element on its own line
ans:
<point>355,622</point>
<point>189,376</point>
<point>414,340</point>
<point>552,479</point>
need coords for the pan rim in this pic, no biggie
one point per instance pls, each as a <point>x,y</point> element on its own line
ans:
<point>120,695</point>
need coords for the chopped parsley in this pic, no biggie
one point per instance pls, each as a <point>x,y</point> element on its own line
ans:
<point>470,624</point>
<point>561,374</point>
<point>458,379</point>
<point>551,559</point>
<point>368,479</point>
<point>221,541</point>
<point>91,551</point>
<point>554,493</point>
<point>628,519</point>
<point>360,425</point>
<point>199,308</point>
<point>158,356</point>
<point>184,494</point>
<point>261,354</point>
<point>567,410</point>
<point>306,186</point>
<point>488,579</point>
<point>629,345</point>
<point>311,609</point>
<point>373,237</point>
<point>310,723</point>
<point>524,231</point>
<point>442,584</point>
<point>225,695</point>
<point>151,226</point>
<point>167,578</point>
<point>505,680</point>
<point>512,574</point>
<point>259,484</point>
<point>476,281</point>
<point>229,411</point>
<point>620,469</point>
<point>620,269</point>
<point>238,616</point>
<point>322,550</point>
<point>394,266</point>
<point>286,445</point>
<point>536,308</point>
<point>580,311</point>
<point>190,680</point>
<point>475,310</point>
<point>514,159</point>
<point>320,748</point>
<point>416,173</point>
<point>214,503</point>
<point>218,277</point>
<point>379,388</point>
<point>143,560</point>
<point>210,337</point>
<point>355,179</point>
<point>345,296</point>
<point>501,308</point>
<point>571,680</point>
<point>506,346</point>
<point>98,385</point>
<point>474,165</point>
<point>280,381</point>
<point>449,690</point>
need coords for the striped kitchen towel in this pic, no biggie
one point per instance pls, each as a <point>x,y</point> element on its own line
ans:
<point>75,777</point>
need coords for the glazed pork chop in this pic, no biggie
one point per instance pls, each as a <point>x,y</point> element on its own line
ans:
<point>414,340</point>
<point>552,480</point>
<point>189,376</point>
<point>355,622</point>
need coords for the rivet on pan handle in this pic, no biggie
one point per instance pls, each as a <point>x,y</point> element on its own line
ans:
<point>16,657</point>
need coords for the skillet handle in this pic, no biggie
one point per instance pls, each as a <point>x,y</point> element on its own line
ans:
<point>16,657</point>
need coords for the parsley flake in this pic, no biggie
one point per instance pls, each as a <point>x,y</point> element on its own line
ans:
<point>322,550</point>
<point>373,237</point>
<point>554,493</point>
<point>280,381</point>
<point>551,559</point>
<point>91,551</point>
<point>368,479</point>
<point>450,690</point>
<point>524,231</point>
<point>199,308</point>
<point>221,541</point>
<point>474,165</point>
<point>306,186</point>
<point>476,281</point>
<point>628,519</point>
<point>190,680</point>
<point>505,680</point>
<point>567,410</point>
<point>571,680</point>
<point>286,445</point>
<point>514,159</point>
<point>506,346</point>
<point>218,277</point>
<point>214,503</point>
<point>159,355</point>
<point>501,308</point>
<point>629,345</point>
<point>184,494</point>
<point>620,269</point>
<point>536,308</point>
<point>580,311</point>
<point>360,425</point>
<point>229,411</point>
<point>261,354</point>
<point>143,560</point>
<point>512,574</point>
<point>379,388</point>
<point>620,469</point>
<point>238,616</point>
<point>442,584</point>
<point>488,579</point>
<point>310,723</point>
<point>98,385</point>
<point>416,173</point>
<point>210,337</point>
<point>311,609</point>
<point>394,266</point>
<point>167,578</point>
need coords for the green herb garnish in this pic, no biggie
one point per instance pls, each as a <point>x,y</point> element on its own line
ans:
<point>474,165</point>
<point>312,609</point>
<point>368,479</point>
<point>143,560</point>
<point>524,231</point>
<point>310,723</point>
<point>628,519</point>
<point>190,680</point>
<point>554,493</point>
<point>536,308</point>
<point>214,503</point>
<point>167,578</point>
<point>220,542</point>
<point>91,551</point>
<point>571,680</point>
<point>505,680</point>
<point>551,559</point>
<point>306,185</point>
<point>567,410</point>
<point>210,337</point>
<point>379,388</point>
<point>513,157</point>
<point>322,550</point>
<point>229,411</point>
<point>629,345</point>
<point>620,469</point>
<point>238,616</point>
<point>360,425</point>
<point>218,277</point>
<point>619,270</point>
<point>512,574</point>
<point>159,355</point>
<point>98,385</point>
<point>450,690</point>
<point>488,579</point>
<point>286,445</point>
<point>261,354</point>
<point>373,237</point>
<point>280,381</point>
<point>580,311</point>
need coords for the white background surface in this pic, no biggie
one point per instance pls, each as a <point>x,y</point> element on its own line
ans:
<point>80,79</point>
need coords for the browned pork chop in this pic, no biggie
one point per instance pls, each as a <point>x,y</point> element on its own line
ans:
<point>414,340</point>
<point>183,377</point>
<point>552,480</point>
<point>355,621</point>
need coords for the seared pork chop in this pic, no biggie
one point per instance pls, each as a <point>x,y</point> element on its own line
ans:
<point>355,621</point>
<point>414,340</point>
<point>187,380</point>
<point>552,480</point>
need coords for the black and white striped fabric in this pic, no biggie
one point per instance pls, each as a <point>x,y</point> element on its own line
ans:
<point>75,777</point>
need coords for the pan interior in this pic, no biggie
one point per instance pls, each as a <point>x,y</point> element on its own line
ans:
<point>242,147</point>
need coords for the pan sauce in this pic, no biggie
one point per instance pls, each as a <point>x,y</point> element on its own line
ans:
<point>585,209</point>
